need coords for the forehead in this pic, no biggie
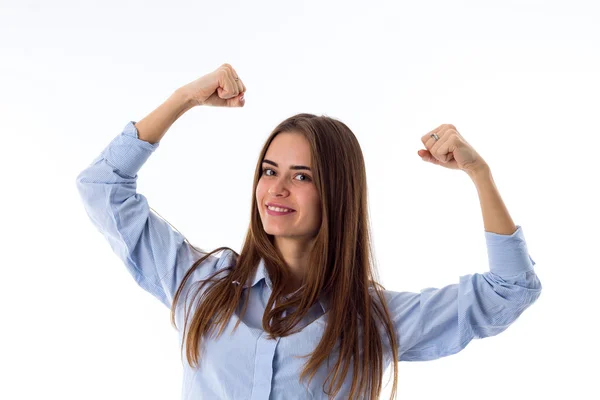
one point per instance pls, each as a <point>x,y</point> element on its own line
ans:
<point>289,148</point>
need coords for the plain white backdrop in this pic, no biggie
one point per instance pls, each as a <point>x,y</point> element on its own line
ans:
<point>519,79</point>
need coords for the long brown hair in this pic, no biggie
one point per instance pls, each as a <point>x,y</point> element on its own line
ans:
<point>344,268</point>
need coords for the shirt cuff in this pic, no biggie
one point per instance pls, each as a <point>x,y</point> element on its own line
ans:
<point>508,254</point>
<point>127,152</point>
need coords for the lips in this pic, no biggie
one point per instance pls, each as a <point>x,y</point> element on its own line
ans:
<point>278,213</point>
<point>280,206</point>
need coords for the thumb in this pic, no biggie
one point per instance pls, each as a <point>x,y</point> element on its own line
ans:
<point>424,154</point>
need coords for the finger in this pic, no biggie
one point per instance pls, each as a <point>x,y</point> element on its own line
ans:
<point>426,156</point>
<point>235,84</point>
<point>440,148</point>
<point>236,79</point>
<point>224,89</point>
<point>239,101</point>
<point>238,82</point>
<point>231,87</point>
<point>427,136</point>
<point>429,141</point>
<point>240,85</point>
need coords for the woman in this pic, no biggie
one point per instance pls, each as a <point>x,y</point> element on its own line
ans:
<point>309,288</point>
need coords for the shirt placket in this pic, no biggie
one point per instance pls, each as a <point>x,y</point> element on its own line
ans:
<point>263,363</point>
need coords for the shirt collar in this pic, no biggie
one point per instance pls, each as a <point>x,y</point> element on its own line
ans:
<point>261,273</point>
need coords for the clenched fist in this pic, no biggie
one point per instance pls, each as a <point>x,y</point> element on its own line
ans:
<point>220,88</point>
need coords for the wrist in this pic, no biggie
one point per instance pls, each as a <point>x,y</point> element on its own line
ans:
<point>481,173</point>
<point>184,96</point>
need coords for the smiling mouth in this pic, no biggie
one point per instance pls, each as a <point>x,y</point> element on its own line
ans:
<point>273,212</point>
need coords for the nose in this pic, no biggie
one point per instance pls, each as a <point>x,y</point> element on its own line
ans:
<point>277,188</point>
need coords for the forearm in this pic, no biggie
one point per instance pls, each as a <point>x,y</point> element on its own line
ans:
<point>496,218</point>
<point>154,126</point>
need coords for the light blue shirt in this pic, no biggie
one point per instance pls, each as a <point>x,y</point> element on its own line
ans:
<point>434,323</point>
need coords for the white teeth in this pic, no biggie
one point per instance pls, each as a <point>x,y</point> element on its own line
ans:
<point>278,209</point>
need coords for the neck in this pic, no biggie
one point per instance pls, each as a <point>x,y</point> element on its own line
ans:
<point>296,255</point>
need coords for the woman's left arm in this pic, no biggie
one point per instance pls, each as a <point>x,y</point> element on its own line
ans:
<point>496,218</point>
<point>446,147</point>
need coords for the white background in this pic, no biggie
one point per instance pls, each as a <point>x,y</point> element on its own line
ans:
<point>519,79</point>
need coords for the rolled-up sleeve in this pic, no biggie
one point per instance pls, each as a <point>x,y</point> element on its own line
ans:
<point>438,322</point>
<point>155,254</point>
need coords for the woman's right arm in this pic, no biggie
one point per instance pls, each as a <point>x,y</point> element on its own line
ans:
<point>154,126</point>
<point>155,254</point>
<point>218,88</point>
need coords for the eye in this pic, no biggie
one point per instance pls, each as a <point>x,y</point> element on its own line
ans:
<point>265,170</point>
<point>306,177</point>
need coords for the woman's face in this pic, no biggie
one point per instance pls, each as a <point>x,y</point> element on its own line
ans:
<point>289,183</point>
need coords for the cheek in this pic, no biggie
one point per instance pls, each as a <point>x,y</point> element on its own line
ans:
<point>313,203</point>
<point>260,193</point>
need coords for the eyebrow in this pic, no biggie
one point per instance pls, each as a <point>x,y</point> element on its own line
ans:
<point>291,166</point>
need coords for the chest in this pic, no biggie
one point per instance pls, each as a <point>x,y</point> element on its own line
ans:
<point>246,364</point>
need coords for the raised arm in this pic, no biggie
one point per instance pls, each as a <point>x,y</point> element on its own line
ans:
<point>155,254</point>
<point>220,88</point>
<point>438,322</point>
<point>154,126</point>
